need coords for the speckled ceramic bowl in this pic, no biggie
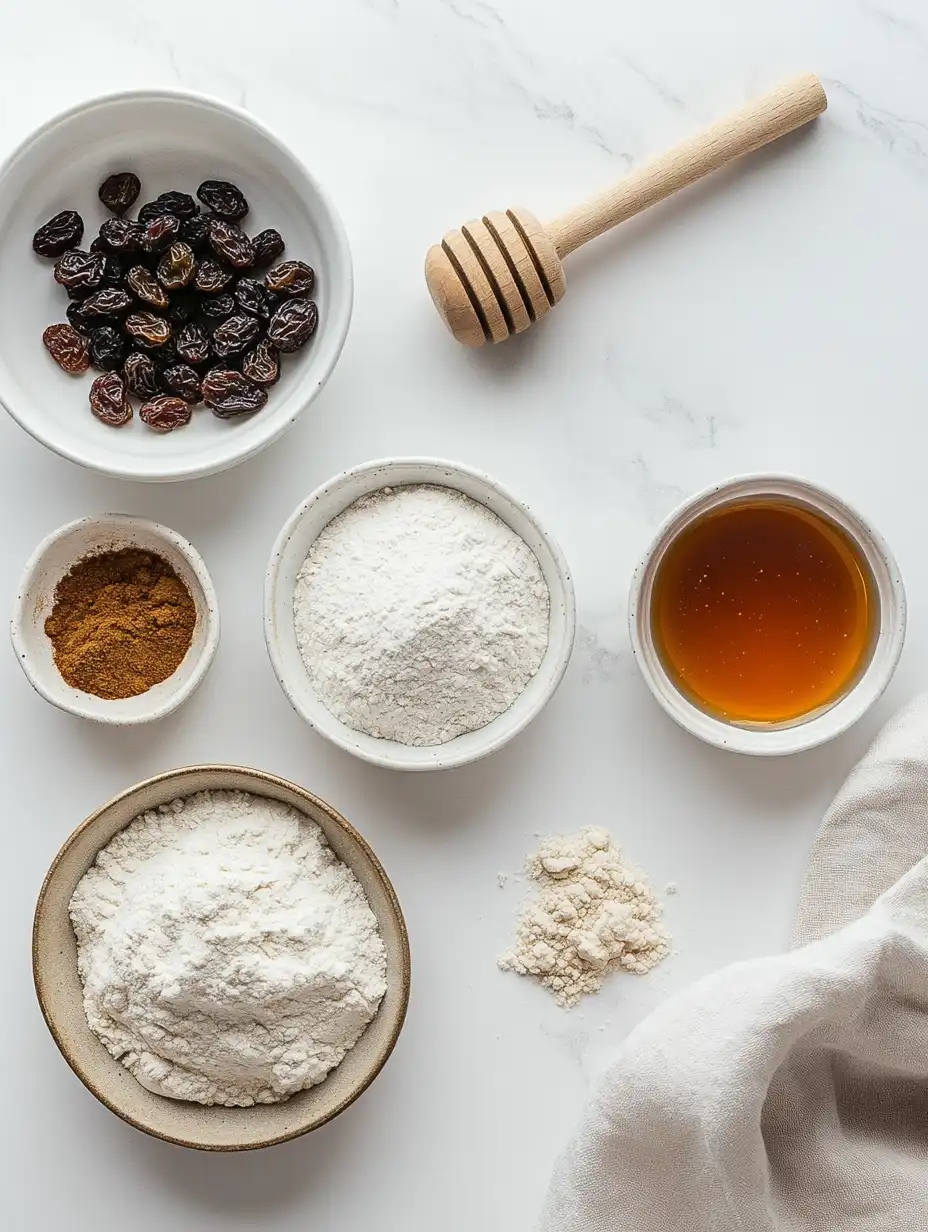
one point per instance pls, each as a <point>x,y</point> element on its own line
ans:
<point>53,558</point>
<point>290,551</point>
<point>769,739</point>
<point>54,964</point>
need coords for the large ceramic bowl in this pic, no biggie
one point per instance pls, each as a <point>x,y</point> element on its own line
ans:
<point>290,551</point>
<point>171,140</point>
<point>54,961</point>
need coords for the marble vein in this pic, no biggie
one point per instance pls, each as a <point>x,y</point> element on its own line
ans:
<point>559,110</point>
<point>893,23</point>
<point>900,136</point>
<point>515,67</point>
<point>662,91</point>
<point>477,12</point>
<point>694,430</point>
<point>651,497</point>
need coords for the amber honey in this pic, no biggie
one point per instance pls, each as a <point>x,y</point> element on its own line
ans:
<point>764,612</point>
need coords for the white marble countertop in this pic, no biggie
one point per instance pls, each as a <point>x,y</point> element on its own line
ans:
<point>769,319</point>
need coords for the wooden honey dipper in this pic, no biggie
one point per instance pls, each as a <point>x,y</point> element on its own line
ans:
<point>501,273</point>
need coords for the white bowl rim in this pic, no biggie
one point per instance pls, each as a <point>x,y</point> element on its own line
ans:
<point>338,324</point>
<point>334,735</point>
<point>821,727</point>
<point>211,604</point>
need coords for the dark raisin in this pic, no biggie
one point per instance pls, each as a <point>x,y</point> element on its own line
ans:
<point>290,278</point>
<point>251,297</point>
<point>293,324</point>
<point>234,335</point>
<point>183,381</point>
<point>79,269</point>
<point>151,210</point>
<point>229,393</point>
<point>107,349</point>
<point>180,204</point>
<point>223,199</point>
<point>217,307</point>
<point>269,245</point>
<point>109,302</point>
<point>97,245</point>
<point>185,305</point>
<point>119,191</point>
<point>148,259</point>
<point>67,348</point>
<point>192,344</point>
<point>176,267</point>
<point>211,277</point>
<point>75,314</point>
<point>141,375</point>
<point>166,355</point>
<point>60,233</point>
<point>231,243</point>
<point>195,231</point>
<point>145,286</point>
<point>165,413</point>
<point>120,235</point>
<point>114,272</point>
<point>262,364</point>
<point>148,329</point>
<point>159,233</point>
<point>109,400</point>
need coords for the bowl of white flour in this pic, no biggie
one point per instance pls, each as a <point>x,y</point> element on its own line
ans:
<point>417,614</point>
<point>221,959</point>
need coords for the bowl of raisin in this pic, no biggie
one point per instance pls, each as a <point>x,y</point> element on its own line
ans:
<point>178,286</point>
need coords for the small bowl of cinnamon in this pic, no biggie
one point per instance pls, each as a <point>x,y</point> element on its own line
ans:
<point>115,619</point>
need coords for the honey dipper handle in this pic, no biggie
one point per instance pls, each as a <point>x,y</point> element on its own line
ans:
<point>789,106</point>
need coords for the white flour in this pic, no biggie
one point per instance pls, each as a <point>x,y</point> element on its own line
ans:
<point>227,955</point>
<point>420,615</point>
<point>592,913</point>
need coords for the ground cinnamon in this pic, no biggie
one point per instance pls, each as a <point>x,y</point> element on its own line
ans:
<point>121,623</point>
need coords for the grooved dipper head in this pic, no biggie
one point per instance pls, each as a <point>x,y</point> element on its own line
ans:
<point>495,277</point>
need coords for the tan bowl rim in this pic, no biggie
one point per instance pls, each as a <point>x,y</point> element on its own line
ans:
<point>262,776</point>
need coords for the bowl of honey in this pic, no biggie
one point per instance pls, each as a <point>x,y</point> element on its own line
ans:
<point>767,616</point>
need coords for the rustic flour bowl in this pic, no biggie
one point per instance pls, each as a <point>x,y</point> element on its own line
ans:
<point>53,558</point>
<point>54,961</point>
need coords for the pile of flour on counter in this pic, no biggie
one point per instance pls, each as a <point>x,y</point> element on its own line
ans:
<point>227,955</point>
<point>420,615</point>
<point>592,913</point>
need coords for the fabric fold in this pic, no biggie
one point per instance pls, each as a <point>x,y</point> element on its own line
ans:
<point>787,1094</point>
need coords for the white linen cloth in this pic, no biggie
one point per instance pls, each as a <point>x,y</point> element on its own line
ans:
<point>787,1094</point>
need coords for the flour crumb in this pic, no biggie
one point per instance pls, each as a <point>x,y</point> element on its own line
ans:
<point>671,888</point>
<point>592,913</point>
<point>501,879</point>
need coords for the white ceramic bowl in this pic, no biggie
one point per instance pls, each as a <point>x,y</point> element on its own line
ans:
<point>53,558</point>
<point>291,549</point>
<point>823,724</point>
<point>171,140</point>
